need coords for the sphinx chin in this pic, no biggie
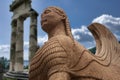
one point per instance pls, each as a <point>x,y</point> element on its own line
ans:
<point>45,27</point>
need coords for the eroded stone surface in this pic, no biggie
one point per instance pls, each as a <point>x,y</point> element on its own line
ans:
<point>21,10</point>
<point>63,58</point>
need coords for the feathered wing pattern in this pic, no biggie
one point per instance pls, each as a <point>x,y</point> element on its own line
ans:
<point>105,64</point>
<point>48,59</point>
<point>62,54</point>
<point>106,44</point>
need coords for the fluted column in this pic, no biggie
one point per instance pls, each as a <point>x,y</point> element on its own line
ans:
<point>19,45</point>
<point>13,45</point>
<point>33,34</point>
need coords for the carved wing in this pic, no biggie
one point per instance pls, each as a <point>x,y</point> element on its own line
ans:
<point>105,64</point>
<point>60,55</point>
<point>106,44</point>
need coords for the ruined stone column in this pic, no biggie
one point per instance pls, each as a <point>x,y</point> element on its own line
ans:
<point>19,45</point>
<point>13,45</point>
<point>33,34</point>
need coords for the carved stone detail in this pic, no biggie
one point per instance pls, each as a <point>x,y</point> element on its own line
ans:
<point>21,10</point>
<point>13,45</point>
<point>33,35</point>
<point>19,45</point>
<point>63,58</point>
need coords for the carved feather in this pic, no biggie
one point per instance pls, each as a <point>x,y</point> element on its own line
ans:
<point>62,54</point>
<point>105,64</point>
<point>50,55</point>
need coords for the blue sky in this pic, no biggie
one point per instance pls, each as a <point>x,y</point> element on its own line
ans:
<point>81,13</point>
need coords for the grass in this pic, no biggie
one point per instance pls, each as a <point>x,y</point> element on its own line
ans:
<point>8,79</point>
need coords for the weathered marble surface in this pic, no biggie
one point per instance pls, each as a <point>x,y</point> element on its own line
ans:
<point>16,75</point>
<point>21,10</point>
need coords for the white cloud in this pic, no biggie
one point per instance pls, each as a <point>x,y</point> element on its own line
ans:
<point>26,44</point>
<point>113,23</point>
<point>83,36</point>
<point>82,29</point>
<point>105,19</point>
<point>4,51</point>
<point>4,48</point>
<point>42,39</point>
<point>26,54</point>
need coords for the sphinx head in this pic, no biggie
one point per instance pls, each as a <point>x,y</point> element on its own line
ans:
<point>53,16</point>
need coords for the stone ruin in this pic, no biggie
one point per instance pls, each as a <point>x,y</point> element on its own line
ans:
<point>21,10</point>
<point>61,57</point>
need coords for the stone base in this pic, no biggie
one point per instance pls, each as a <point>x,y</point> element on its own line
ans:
<point>17,75</point>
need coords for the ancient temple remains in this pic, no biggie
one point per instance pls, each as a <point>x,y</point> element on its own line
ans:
<point>21,10</point>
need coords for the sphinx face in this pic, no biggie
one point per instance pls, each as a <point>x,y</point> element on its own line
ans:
<point>50,19</point>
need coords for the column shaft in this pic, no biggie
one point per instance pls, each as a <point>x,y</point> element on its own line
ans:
<point>33,36</point>
<point>19,45</point>
<point>13,46</point>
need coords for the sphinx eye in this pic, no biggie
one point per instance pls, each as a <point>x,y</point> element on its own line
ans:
<point>47,11</point>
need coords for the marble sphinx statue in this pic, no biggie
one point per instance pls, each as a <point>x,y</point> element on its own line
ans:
<point>63,58</point>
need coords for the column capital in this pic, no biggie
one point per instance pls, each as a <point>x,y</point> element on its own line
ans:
<point>14,22</point>
<point>33,13</point>
<point>21,18</point>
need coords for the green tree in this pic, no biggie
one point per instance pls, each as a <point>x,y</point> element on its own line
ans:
<point>4,62</point>
<point>93,50</point>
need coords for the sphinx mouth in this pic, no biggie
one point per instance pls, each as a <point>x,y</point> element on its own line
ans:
<point>43,21</point>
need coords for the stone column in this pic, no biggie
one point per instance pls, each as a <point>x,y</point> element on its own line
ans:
<point>19,45</point>
<point>33,34</point>
<point>13,45</point>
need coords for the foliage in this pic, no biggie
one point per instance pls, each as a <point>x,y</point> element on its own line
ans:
<point>8,79</point>
<point>93,50</point>
<point>26,67</point>
<point>4,63</point>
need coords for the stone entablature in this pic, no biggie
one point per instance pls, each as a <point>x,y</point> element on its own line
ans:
<point>21,8</point>
<point>17,3</point>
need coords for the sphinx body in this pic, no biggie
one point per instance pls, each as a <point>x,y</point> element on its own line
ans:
<point>59,55</point>
<point>55,56</point>
<point>63,58</point>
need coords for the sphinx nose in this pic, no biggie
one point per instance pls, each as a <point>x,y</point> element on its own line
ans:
<point>42,15</point>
